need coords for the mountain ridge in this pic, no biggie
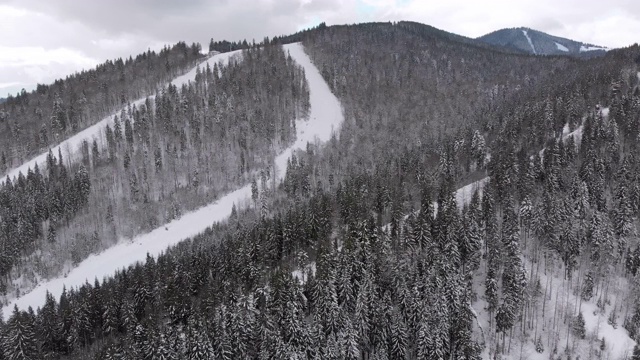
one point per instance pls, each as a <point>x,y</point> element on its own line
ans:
<point>536,42</point>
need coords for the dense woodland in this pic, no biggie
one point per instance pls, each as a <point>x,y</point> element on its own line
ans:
<point>32,123</point>
<point>362,251</point>
<point>172,154</point>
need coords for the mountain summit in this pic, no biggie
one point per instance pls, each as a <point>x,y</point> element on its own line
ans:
<point>539,43</point>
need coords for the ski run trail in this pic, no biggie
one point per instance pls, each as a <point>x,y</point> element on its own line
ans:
<point>72,144</point>
<point>324,119</point>
<point>526,34</point>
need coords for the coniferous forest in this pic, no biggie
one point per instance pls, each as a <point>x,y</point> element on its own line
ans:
<point>365,250</point>
<point>168,156</point>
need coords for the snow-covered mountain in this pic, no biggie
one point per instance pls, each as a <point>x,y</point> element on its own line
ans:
<point>540,43</point>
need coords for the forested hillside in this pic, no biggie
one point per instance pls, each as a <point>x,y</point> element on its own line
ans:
<point>31,123</point>
<point>176,152</point>
<point>363,252</point>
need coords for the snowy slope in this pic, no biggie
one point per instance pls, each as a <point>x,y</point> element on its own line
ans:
<point>584,48</point>
<point>325,116</point>
<point>465,193</point>
<point>529,40</point>
<point>129,252</point>
<point>561,300</point>
<point>562,47</point>
<point>71,145</point>
<point>326,111</point>
<point>562,297</point>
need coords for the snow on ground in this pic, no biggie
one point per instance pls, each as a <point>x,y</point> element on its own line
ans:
<point>326,114</point>
<point>129,252</point>
<point>562,47</point>
<point>618,343</point>
<point>524,32</point>
<point>465,193</point>
<point>577,133</point>
<point>591,48</point>
<point>68,146</point>
<point>216,58</point>
<point>71,145</point>
<point>301,274</point>
<point>463,197</point>
<point>325,117</point>
<point>561,299</point>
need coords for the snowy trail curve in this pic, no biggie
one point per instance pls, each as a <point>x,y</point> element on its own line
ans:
<point>326,111</point>
<point>324,118</point>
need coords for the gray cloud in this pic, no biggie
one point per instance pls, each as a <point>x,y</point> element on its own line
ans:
<point>171,21</point>
<point>96,30</point>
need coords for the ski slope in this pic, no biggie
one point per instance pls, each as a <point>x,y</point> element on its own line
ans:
<point>71,145</point>
<point>562,47</point>
<point>326,111</point>
<point>324,118</point>
<point>533,48</point>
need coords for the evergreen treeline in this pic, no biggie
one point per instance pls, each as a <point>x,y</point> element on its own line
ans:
<point>32,122</point>
<point>369,294</point>
<point>406,87</point>
<point>227,46</point>
<point>34,207</point>
<point>172,154</point>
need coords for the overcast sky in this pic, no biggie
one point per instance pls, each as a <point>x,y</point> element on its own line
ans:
<point>41,40</point>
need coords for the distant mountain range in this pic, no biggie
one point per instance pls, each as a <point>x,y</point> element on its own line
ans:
<point>536,42</point>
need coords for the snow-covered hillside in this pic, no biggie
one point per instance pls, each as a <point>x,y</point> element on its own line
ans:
<point>533,48</point>
<point>324,118</point>
<point>71,145</point>
<point>562,47</point>
<point>559,300</point>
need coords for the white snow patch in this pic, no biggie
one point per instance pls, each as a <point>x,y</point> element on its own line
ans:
<point>211,61</point>
<point>301,274</point>
<point>71,145</point>
<point>463,197</point>
<point>562,47</point>
<point>576,134</point>
<point>465,193</point>
<point>526,34</point>
<point>561,300</point>
<point>591,48</point>
<point>618,343</point>
<point>325,117</point>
